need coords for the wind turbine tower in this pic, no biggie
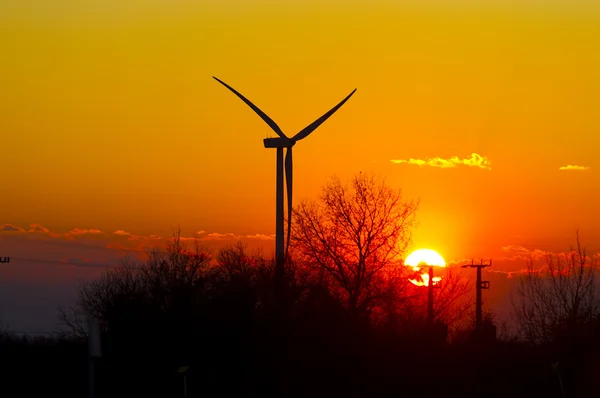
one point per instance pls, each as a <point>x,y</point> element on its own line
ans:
<point>281,142</point>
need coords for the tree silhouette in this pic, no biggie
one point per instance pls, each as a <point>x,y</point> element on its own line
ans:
<point>180,306</point>
<point>4,333</point>
<point>559,300</point>
<point>354,237</point>
<point>451,305</point>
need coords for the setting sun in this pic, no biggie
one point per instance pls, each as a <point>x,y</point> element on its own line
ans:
<point>423,258</point>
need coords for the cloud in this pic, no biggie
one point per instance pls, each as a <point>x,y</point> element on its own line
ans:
<point>149,237</point>
<point>85,231</point>
<point>131,236</point>
<point>10,228</point>
<point>456,263</point>
<point>78,231</point>
<point>220,236</point>
<point>571,167</point>
<point>38,228</point>
<point>475,160</point>
<point>513,274</point>
<point>41,232</point>
<point>186,238</point>
<point>522,253</point>
<point>227,236</point>
<point>33,229</point>
<point>200,232</point>
<point>261,237</point>
<point>492,269</point>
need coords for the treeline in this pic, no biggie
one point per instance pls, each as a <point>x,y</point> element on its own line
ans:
<point>214,314</point>
<point>349,323</point>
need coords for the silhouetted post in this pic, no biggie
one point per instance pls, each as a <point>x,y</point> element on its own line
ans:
<point>555,368</point>
<point>94,350</point>
<point>279,281</point>
<point>478,288</point>
<point>184,370</point>
<point>279,254</point>
<point>478,303</point>
<point>430,296</point>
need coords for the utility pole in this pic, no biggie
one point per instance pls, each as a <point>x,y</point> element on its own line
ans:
<point>479,287</point>
<point>430,296</point>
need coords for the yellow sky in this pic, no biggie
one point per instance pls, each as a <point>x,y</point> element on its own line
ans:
<point>110,119</point>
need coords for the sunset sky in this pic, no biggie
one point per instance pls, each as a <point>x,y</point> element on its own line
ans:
<point>114,132</point>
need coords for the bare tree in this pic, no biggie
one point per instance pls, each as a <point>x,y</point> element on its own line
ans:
<point>73,319</point>
<point>4,332</point>
<point>236,263</point>
<point>557,300</point>
<point>163,281</point>
<point>451,305</point>
<point>353,236</point>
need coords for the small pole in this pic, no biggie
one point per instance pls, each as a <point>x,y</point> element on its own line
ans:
<point>183,370</point>
<point>94,349</point>
<point>555,368</point>
<point>478,304</point>
<point>184,386</point>
<point>430,296</point>
<point>91,376</point>
<point>562,389</point>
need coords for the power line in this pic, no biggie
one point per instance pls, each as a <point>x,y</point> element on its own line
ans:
<point>83,264</point>
<point>25,333</point>
<point>60,262</point>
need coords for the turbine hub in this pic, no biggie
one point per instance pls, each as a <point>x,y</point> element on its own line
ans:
<point>278,142</point>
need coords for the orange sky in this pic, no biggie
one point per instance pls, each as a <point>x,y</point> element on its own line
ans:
<point>110,119</point>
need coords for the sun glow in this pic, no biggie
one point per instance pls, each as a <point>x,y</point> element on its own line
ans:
<point>424,281</point>
<point>424,258</point>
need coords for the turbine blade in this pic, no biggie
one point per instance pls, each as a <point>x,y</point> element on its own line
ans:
<point>288,181</point>
<point>260,113</point>
<point>310,128</point>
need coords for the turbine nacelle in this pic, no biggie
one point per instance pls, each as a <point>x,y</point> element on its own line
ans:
<point>278,142</point>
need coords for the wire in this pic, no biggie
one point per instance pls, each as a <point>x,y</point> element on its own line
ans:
<point>24,333</point>
<point>83,264</point>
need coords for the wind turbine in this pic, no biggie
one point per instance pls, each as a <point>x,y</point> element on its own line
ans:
<point>283,142</point>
